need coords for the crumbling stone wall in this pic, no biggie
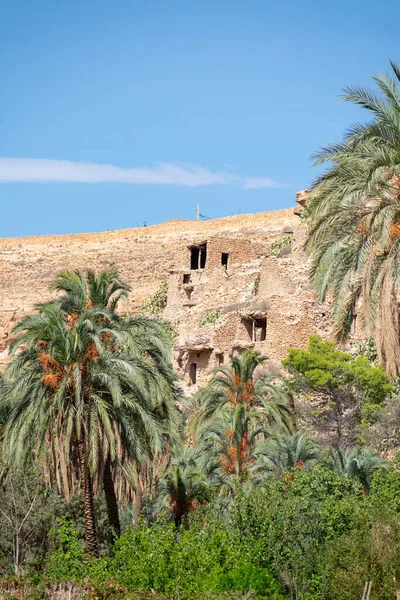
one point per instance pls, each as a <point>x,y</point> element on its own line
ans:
<point>238,250</point>
<point>212,308</point>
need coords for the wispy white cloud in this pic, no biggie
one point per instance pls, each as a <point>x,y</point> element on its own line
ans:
<point>17,170</point>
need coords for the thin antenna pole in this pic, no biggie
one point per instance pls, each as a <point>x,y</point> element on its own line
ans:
<point>198,212</point>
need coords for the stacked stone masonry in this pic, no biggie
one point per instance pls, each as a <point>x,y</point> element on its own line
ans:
<point>233,283</point>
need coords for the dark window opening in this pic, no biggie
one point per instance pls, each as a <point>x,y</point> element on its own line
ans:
<point>194,258</point>
<point>224,259</point>
<point>193,373</point>
<point>189,293</point>
<point>198,257</point>
<point>256,329</point>
<point>260,330</point>
<point>187,277</point>
<point>353,326</point>
<point>220,358</point>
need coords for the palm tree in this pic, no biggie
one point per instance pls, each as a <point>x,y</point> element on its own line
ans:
<point>79,291</point>
<point>79,395</point>
<point>148,338</point>
<point>284,452</point>
<point>232,437</point>
<point>236,409</point>
<point>356,463</point>
<point>354,220</point>
<point>185,483</point>
<point>236,384</point>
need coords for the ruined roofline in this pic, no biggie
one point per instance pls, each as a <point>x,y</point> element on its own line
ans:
<point>173,226</point>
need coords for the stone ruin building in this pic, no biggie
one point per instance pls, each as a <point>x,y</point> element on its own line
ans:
<point>233,283</point>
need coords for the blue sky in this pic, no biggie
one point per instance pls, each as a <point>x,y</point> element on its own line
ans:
<point>216,102</point>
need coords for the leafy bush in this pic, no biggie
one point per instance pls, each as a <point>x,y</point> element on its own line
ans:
<point>67,560</point>
<point>247,577</point>
<point>287,526</point>
<point>185,562</point>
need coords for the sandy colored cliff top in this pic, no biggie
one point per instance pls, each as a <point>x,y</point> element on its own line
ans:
<point>236,222</point>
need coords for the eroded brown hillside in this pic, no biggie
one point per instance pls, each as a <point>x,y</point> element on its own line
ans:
<point>250,270</point>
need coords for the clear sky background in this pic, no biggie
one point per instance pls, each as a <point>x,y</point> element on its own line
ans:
<point>216,102</point>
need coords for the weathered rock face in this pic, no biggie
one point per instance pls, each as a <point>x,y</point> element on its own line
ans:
<point>233,283</point>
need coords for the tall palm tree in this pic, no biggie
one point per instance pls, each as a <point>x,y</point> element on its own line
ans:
<point>146,338</point>
<point>284,452</point>
<point>356,463</point>
<point>236,408</point>
<point>80,395</point>
<point>354,219</point>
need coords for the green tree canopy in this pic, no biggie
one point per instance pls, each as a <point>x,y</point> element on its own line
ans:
<point>324,367</point>
<point>348,383</point>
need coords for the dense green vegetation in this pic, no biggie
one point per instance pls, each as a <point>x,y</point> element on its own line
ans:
<point>307,534</point>
<point>115,485</point>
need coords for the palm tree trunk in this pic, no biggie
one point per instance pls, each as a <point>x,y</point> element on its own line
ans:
<point>111,499</point>
<point>87,489</point>
<point>138,503</point>
<point>178,520</point>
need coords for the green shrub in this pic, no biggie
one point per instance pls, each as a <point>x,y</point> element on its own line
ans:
<point>170,561</point>
<point>366,348</point>
<point>247,577</point>
<point>67,560</point>
<point>350,389</point>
